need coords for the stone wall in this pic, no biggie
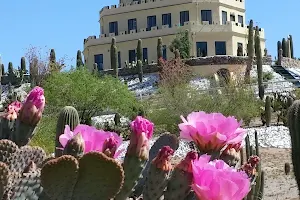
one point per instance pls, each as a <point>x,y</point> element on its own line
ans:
<point>200,61</point>
<point>289,62</point>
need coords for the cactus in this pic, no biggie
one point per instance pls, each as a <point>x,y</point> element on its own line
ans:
<point>294,128</point>
<point>287,168</point>
<point>140,70</point>
<point>2,70</point>
<point>250,50</point>
<point>288,48</point>
<point>259,64</point>
<point>79,62</point>
<point>284,47</point>
<point>114,56</point>
<point>268,111</point>
<point>177,54</point>
<point>139,50</point>
<point>159,49</point>
<point>279,46</point>
<point>91,168</point>
<point>239,51</point>
<point>52,56</point>
<point>23,65</point>
<point>291,46</point>
<point>68,116</point>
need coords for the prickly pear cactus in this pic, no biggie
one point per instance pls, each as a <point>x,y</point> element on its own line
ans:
<point>68,116</point>
<point>93,176</point>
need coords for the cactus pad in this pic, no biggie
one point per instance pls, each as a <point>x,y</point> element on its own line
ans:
<point>100,177</point>
<point>7,149</point>
<point>4,178</point>
<point>59,176</point>
<point>167,139</point>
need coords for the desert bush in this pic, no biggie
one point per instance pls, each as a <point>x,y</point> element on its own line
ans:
<point>267,76</point>
<point>88,93</point>
<point>165,109</point>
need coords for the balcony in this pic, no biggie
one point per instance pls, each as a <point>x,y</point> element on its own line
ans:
<point>150,4</point>
<point>229,27</point>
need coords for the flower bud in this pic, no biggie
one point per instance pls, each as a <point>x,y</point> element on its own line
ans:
<point>162,160</point>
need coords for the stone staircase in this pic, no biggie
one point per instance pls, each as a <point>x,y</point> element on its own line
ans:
<point>288,75</point>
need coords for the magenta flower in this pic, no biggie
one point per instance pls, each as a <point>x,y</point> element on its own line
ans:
<point>141,133</point>
<point>94,139</point>
<point>13,110</point>
<point>33,107</point>
<point>211,131</point>
<point>215,180</point>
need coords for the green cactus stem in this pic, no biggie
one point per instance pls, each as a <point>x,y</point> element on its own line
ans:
<point>259,63</point>
<point>284,47</point>
<point>250,49</point>
<point>140,70</point>
<point>268,111</point>
<point>159,49</point>
<point>114,56</point>
<point>158,174</point>
<point>291,46</point>
<point>2,70</point>
<point>68,116</point>
<point>117,119</point>
<point>294,128</point>
<point>139,50</point>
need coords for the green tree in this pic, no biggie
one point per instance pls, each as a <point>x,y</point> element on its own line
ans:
<point>88,93</point>
<point>182,43</point>
<point>79,61</point>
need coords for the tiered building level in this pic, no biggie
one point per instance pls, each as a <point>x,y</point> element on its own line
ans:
<point>216,27</point>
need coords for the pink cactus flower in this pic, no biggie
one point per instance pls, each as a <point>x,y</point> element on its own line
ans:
<point>211,131</point>
<point>33,107</point>
<point>215,180</point>
<point>94,139</point>
<point>142,131</point>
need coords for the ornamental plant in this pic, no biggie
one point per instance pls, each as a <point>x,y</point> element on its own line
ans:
<point>87,168</point>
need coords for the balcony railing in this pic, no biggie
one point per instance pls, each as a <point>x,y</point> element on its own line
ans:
<point>192,26</point>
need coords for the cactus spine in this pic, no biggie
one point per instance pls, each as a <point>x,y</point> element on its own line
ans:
<point>139,50</point>
<point>294,128</point>
<point>250,49</point>
<point>259,64</point>
<point>140,69</point>
<point>68,116</point>
<point>268,111</point>
<point>159,49</point>
<point>291,46</point>
<point>284,47</point>
<point>114,57</point>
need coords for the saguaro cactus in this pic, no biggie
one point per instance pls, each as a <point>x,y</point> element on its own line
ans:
<point>268,111</point>
<point>10,68</point>
<point>23,65</point>
<point>159,49</point>
<point>288,48</point>
<point>79,61</point>
<point>2,70</point>
<point>284,50</point>
<point>291,46</point>
<point>140,69</point>
<point>114,56</point>
<point>139,50</point>
<point>279,46</point>
<point>294,128</point>
<point>259,64</point>
<point>250,49</point>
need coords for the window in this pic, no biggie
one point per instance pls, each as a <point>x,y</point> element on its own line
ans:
<point>151,22</point>
<point>164,52</point>
<point>206,16</point>
<point>99,60</point>
<point>220,48</point>
<point>113,27</point>
<point>166,19</point>
<point>232,17</point>
<point>131,25</point>
<point>201,49</point>
<point>131,56</point>
<point>184,17</point>
<point>241,19</point>
<point>224,17</point>
<point>119,59</point>
<point>145,55</point>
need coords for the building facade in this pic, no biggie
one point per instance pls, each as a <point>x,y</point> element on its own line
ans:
<point>216,27</point>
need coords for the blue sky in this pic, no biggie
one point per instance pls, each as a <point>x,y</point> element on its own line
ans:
<point>63,25</point>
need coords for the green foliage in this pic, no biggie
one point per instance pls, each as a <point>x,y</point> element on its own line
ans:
<point>45,133</point>
<point>88,93</point>
<point>165,109</point>
<point>182,43</point>
<point>267,76</point>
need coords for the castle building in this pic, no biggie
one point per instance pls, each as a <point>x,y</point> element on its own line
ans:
<point>216,27</point>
